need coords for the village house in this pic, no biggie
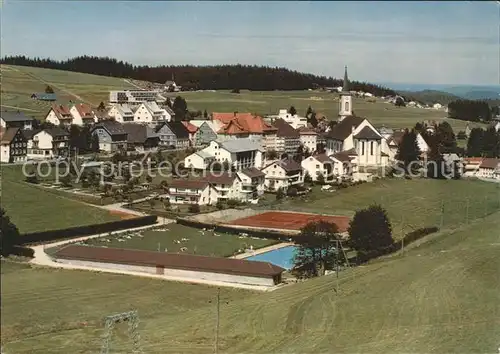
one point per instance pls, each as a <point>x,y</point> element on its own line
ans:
<point>252,182</point>
<point>200,160</point>
<point>183,191</point>
<point>181,134</point>
<point>83,114</point>
<point>205,133</point>
<point>287,138</point>
<point>489,169</point>
<point>227,184</point>
<point>111,135</point>
<point>122,113</point>
<point>13,145</point>
<point>283,174</point>
<point>295,120</point>
<point>471,166</point>
<point>243,126</point>
<point>193,130</point>
<point>59,115</point>
<point>308,139</point>
<point>10,119</point>
<point>48,143</point>
<point>48,97</point>
<point>150,113</point>
<point>141,138</point>
<point>322,165</point>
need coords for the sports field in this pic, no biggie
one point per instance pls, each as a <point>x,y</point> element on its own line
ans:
<point>174,237</point>
<point>290,220</point>
<point>441,297</point>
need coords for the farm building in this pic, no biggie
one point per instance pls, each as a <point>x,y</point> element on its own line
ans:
<point>51,97</point>
<point>227,270</point>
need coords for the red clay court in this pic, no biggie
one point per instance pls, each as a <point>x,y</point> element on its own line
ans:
<point>290,221</point>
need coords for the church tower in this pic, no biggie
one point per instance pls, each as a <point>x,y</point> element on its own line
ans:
<point>345,99</point>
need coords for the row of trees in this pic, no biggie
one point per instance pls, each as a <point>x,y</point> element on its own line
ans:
<point>370,233</point>
<point>474,111</point>
<point>484,143</point>
<point>215,77</point>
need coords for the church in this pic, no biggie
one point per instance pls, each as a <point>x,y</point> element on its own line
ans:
<point>356,136</point>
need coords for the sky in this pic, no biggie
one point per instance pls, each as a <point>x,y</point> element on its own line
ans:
<point>398,42</point>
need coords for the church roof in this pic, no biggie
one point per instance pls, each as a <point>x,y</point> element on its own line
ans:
<point>367,133</point>
<point>344,128</point>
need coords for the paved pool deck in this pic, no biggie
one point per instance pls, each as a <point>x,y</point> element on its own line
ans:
<point>263,250</point>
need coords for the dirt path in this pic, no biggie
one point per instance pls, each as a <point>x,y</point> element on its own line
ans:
<point>20,108</point>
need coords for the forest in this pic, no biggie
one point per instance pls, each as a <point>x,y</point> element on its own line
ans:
<point>219,77</point>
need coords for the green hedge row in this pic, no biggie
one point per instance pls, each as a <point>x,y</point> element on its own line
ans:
<point>72,232</point>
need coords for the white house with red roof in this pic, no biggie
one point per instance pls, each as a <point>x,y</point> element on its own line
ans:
<point>199,192</point>
<point>83,114</point>
<point>282,174</point>
<point>59,115</point>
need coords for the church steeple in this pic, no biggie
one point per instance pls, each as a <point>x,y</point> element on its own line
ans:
<point>345,87</point>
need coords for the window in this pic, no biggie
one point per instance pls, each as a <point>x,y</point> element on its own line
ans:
<point>347,106</point>
<point>362,148</point>
<point>317,166</point>
<point>371,148</point>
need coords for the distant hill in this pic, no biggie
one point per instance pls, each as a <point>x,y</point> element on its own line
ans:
<point>471,92</point>
<point>429,96</point>
<point>220,77</point>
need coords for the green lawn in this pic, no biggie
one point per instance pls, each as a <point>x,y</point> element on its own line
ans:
<point>264,103</point>
<point>33,209</point>
<point>206,243</point>
<point>443,296</point>
<point>411,204</point>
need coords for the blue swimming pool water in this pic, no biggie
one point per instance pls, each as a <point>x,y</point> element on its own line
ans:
<point>282,257</point>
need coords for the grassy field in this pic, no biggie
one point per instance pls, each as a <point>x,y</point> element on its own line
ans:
<point>264,103</point>
<point>442,296</point>
<point>18,83</point>
<point>411,204</point>
<point>33,209</point>
<point>206,243</point>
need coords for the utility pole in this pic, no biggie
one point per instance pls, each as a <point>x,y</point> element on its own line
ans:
<point>216,349</point>
<point>337,266</point>
<point>467,212</point>
<point>442,214</point>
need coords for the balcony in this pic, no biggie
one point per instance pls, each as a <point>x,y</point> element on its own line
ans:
<point>184,193</point>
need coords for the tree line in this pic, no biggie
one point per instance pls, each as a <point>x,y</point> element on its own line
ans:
<point>212,77</point>
<point>474,111</point>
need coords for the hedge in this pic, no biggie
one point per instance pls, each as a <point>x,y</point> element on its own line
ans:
<point>87,230</point>
<point>23,251</point>
<point>268,234</point>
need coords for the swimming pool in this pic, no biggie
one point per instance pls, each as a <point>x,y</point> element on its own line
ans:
<point>282,257</point>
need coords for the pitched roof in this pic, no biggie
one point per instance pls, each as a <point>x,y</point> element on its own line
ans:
<point>111,126</point>
<point>490,163</point>
<point>307,131</point>
<point>289,165</point>
<point>343,129</point>
<point>85,110</point>
<point>285,130</point>
<point>170,260</point>
<point>62,112</point>
<point>11,116</point>
<point>190,127</point>
<point>204,154</point>
<point>235,123</point>
<point>138,133</point>
<point>188,184</point>
<point>345,156</point>
<point>252,172</point>
<point>178,129</point>
<point>29,133</point>
<point>220,178</point>
<point>215,125</point>
<point>398,136</point>
<point>240,145</point>
<point>367,133</point>
<point>322,158</point>
<point>7,135</point>
<point>56,131</point>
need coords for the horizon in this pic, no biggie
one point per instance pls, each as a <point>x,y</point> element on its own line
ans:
<point>376,49</point>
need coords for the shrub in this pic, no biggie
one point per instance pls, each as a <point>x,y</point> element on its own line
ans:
<point>194,208</point>
<point>219,205</point>
<point>231,203</point>
<point>32,179</point>
<point>292,192</point>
